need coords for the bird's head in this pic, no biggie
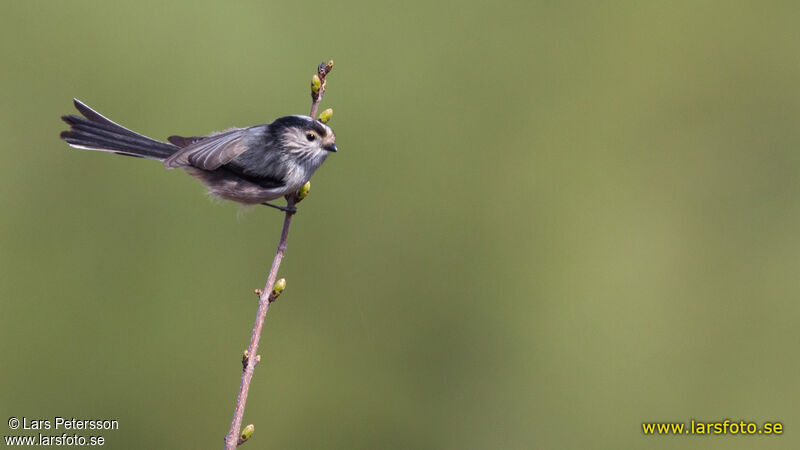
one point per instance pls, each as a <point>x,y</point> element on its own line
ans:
<point>302,134</point>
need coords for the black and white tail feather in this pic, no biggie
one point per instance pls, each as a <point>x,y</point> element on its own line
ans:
<point>93,131</point>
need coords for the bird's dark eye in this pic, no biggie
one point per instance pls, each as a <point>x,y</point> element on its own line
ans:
<point>311,137</point>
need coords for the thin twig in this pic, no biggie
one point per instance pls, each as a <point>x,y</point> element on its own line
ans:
<point>270,292</point>
<point>264,299</point>
<point>317,91</point>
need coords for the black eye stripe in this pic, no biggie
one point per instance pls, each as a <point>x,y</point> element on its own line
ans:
<point>319,128</point>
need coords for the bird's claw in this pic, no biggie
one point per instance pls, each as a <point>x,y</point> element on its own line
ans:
<point>287,209</point>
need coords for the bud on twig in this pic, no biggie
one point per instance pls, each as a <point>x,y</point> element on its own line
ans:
<point>277,290</point>
<point>246,433</point>
<point>303,191</point>
<point>324,68</point>
<point>316,84</point>
<point>325,116</point>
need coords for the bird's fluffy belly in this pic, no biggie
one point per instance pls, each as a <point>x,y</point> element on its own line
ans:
<point>236,189</point>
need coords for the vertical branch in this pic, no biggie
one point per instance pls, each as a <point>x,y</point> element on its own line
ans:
<point>251,358</point>
<point>272,289</point>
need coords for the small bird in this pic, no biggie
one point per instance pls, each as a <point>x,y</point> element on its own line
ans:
<point>246,165</point>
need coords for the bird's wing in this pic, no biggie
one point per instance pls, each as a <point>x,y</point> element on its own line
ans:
<point>211,152</point>
<point>184,141</point>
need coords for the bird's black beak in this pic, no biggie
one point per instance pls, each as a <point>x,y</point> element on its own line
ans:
<point>331,148</point>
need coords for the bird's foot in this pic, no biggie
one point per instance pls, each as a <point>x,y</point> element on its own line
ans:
<point>287,209</point>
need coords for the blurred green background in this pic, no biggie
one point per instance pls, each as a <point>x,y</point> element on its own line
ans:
<point>547,223</point>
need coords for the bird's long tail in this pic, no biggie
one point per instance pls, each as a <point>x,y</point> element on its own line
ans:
<point>95,132</point>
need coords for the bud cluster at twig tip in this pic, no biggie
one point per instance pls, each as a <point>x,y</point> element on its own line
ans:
<point>318,80</point>
<point>318,85</point>
<point>324,68</point>
<point>247,432</point>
